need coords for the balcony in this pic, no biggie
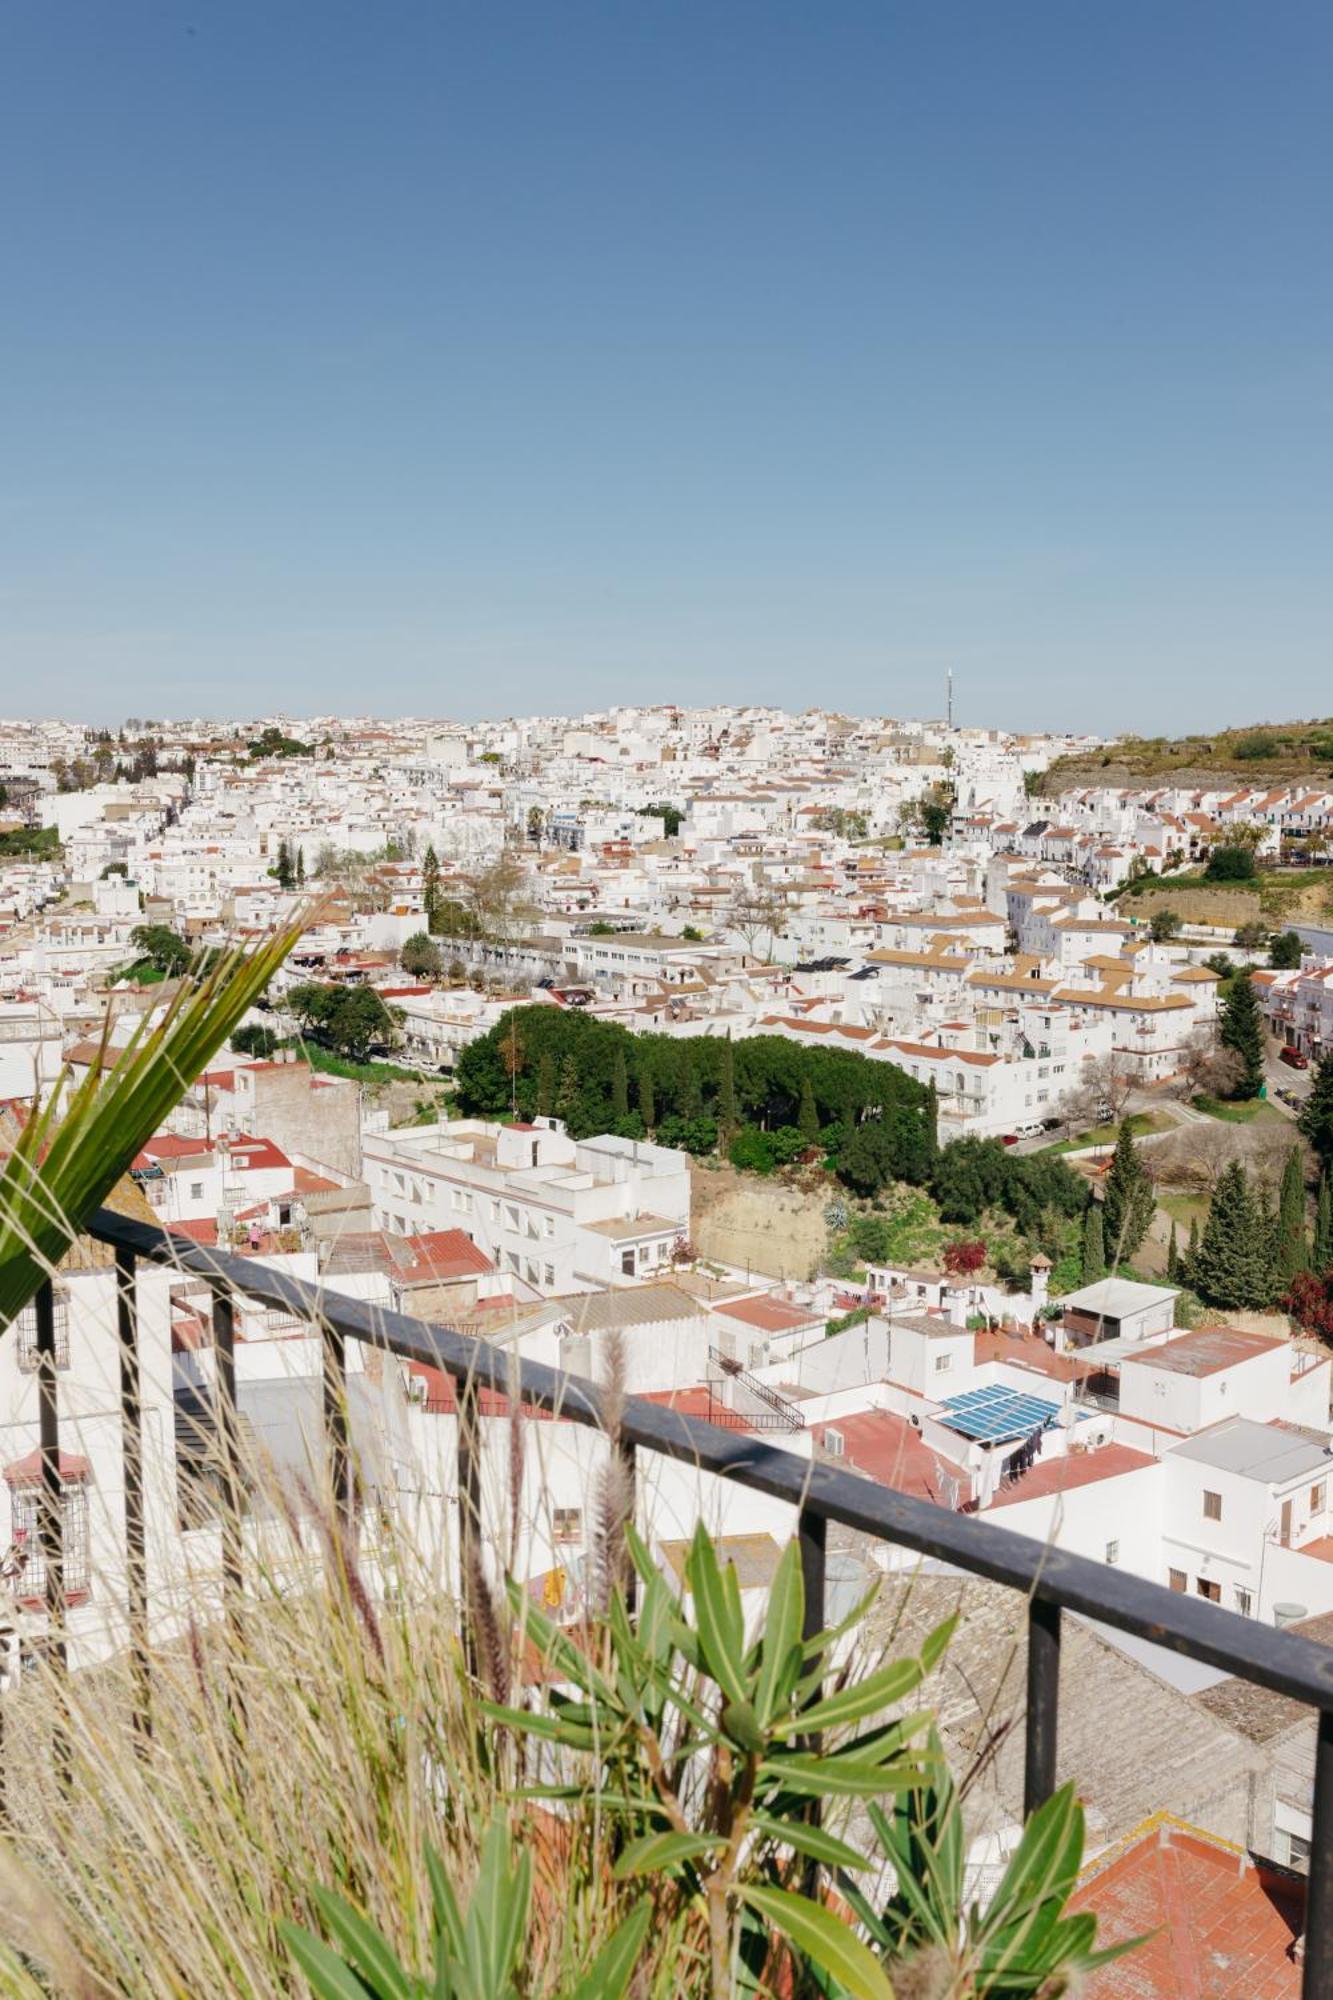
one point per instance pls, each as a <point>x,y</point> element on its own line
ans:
<point>1047,1581</point>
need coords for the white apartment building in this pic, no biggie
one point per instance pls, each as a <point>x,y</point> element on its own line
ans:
<point>558,1213</point>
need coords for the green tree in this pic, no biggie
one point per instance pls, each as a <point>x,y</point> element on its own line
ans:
<point>1293,1249</point>
<point>1192,1254</point>
<point>620,1086</point>
<point>165,949</point>
<point>1284,954</point>
<point>1241,1030</point>
<point>752,1151</point>
<point>1163,925</point>
<point>1316,1119</point>
<point>1234,1267</point>
<point>1173,1258</point>
<point>285,868</point>
<point>1232,863</point>
<point>691,1087</point>
<point>1323,1225</point>
<point>1128,1201</point>
<point>647,1098</point>
<point>300,867</point>
<point>1094,1246</point>
<point>421,957</point>
<point>430,887</point>
<point>546,1085</point>
<point>253,1039</point>
<point>807,1118</point>
<point>865,1158</point>
<point>567,1096</point>
<point>726,1090</point>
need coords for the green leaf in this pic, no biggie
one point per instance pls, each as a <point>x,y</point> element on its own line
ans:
<point>365,1948</point>
<point>535,1722</point>
<point>782,1636</point>
<point>497,1913</point>
<point>721,1638</point>
<point>841,1777</point>
<point>658,1853</point>
<point>330,1977</point>
<point>824,1938</point>
<point>803,1838</point>
<point>937,1643</point>
<point>859,1698</point>
<point>448,1916</point>
<point>613,1968</point>
<point>742,1726</point>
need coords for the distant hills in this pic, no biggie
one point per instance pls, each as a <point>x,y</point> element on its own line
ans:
<point>1263,753</point>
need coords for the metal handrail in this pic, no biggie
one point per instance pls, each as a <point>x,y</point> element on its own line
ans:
<point>1052,1580</point>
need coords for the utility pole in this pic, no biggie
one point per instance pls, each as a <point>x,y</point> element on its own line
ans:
<point>948,704</point>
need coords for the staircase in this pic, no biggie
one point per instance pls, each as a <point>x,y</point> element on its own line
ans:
<point>775,1407</point>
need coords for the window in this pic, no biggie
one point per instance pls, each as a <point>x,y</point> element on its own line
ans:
<point>1317,1498</point>
<point>1244,1602</point>
<point>548,1274</point>
<point>1113,1552</point>
<point>196,1190</point>
<point>1212,1506</point>
<point>1212,1591</point>
<point>26,1328</point>
<point>567,1524</point>
<point>26,1504</point>
<point>943,1362</point>
<point>1176,1579</point>
<point>627,1263</point>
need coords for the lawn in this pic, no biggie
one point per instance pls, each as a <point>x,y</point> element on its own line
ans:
<point>328,1064</point>
<point>1140,1124</point>
<point>1246,1111</point>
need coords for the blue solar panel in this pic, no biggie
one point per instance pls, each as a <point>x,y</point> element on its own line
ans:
<point>993,1414</point>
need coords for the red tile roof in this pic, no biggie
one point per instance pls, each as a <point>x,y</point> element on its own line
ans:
<point>441,1254</point>
<point>27,1471</point>
<point>1222,1927</point>
<point>1084,1468</point>
<point>889,1450</point>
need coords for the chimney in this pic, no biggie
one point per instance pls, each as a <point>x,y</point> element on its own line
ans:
<point>958,1305</point>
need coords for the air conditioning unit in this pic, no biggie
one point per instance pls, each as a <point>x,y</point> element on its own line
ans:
<point>834,1443</point>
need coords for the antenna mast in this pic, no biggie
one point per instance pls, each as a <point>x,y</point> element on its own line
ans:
<point>948,705</point>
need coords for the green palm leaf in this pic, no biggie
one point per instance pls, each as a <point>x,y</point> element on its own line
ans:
<point>72,1152</point>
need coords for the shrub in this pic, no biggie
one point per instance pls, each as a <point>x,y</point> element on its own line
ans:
<point>752,1152</point>
<point>962,1257</point>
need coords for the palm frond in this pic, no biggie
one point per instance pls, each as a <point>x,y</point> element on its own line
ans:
<point>73,1150</point>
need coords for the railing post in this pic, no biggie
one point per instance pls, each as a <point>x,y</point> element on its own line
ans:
<point>228,1446</point>
<point>1043,1706</point>
<point>51,1515</point>
<point>1317,1971</point>
<point>333,1347</point>
<point>469,1513</point>
<point>813,1532</point>
<point>629,1493</point>
<point>131,1435</point>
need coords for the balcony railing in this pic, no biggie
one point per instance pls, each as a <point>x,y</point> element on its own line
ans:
<point>1048,1580</point>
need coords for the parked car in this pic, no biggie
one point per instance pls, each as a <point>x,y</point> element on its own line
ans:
<point>1294,1059</point>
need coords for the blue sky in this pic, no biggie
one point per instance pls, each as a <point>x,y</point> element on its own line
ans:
<point>479,357</point>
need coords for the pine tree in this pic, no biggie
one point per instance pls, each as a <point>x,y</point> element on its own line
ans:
<point>807,1118</point>
<point>1292,1248</point>
<point>726,1090</point>
<point>1234,1267</point>
<point>546,1085</point>
<point>1173,1259</point>
<point>1242,1031</point>
<point>647,1099</point>
<point>1094,1245</point>
<point>1323,1225</point>
<point>1129,1201</point>
<point>1316,1119</point>
<point>619,1087</point>
<point>430,887</point>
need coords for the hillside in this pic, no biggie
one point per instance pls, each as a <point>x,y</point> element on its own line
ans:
<point>1259,754</point>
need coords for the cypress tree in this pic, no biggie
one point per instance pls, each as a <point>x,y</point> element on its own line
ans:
<point>726,1091</point>
<point>546,1085</point>
<point>1242,1031</point>
<point>1323,1226</point>
<point>1192,1255</point>
<point>300,867</point>
<point>691,1091</point>
<point>1094,1245</point>
<point>1173,1259</point>
<point>1316,1119</point>
<point>807,1118</point>
<point>619,1087</point>
<point>1234,1266</point>
<point>1292,1249</point>
<point>647,1098</point>
<point>1129,1201</point>
<point>430,887</point>
<point>567,1096</point>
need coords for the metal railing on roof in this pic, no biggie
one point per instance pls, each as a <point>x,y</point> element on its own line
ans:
<point>1051,1580</point>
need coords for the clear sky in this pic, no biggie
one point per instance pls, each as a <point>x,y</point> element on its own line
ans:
<point>473,357</point>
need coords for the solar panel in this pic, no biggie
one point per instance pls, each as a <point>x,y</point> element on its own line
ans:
<point>993,1414</point>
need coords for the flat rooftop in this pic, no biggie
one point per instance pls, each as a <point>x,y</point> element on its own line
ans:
<point>1273,1453</point>
<point>1206,1351</point>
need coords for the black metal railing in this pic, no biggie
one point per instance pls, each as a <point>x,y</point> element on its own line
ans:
<point>1051,1581</point>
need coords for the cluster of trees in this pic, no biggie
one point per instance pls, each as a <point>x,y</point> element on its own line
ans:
<point>490,903</point>
<point>766,1102</point>
<point>351,1021</point>
<point>289,866</point>
<point>162,948</point>
<point>30,843</point>
<point>1232,863</point>
<point>273,742</point>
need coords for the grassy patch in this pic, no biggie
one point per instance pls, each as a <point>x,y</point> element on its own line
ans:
<point>1140,1124</point>
<point>327,1064</point>
<point>1245,1111</point>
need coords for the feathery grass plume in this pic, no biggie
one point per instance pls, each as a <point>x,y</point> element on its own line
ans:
<point>494,1658</point>
<point>516,1414</point>
<point>609,1556</point>
<point>67,1160</point>
<point>341,1556</point>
